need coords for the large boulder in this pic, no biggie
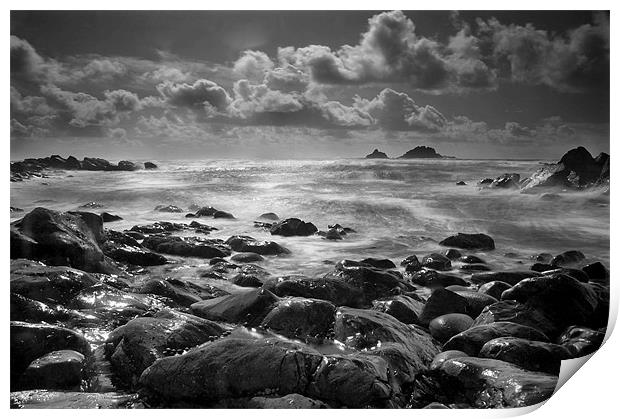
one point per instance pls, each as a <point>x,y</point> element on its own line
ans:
<point>473,339</point>
<point>68,239</point>
<point>187,246</point>
<point>136,345</point>
<point>248,308</point>
<point>490,383</point>
<point>469,241</point>
<point>445,326</point>
<point>527,354</point>
<point>123,248</point>
<point>512,311</point>
<point>402,307</point>
<point>301,318</point>
<point>180,292</point>
<point>250,244</point>
<point>293,227</point>
<point>581,341</point>
<point>494,288</point>
<point>442,301</point>
<point>433,279</point>
<point>57,370</point>
<point>331,289</point>
<point>436,261</point>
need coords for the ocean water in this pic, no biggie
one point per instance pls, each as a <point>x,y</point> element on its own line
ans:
<point>397,207</point>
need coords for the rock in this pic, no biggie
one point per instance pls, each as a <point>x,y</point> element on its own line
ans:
<point>461,183</point>
<point>442,357</point>
<point>176,290</point>
<point>205,212</point>
<point>469,241</point>
<point>124,248</point>
<point>473,339</point>
<point>331,234</point>
<point>437,262</point>
<point>494,288</point>
<point>489,383</point>
<point>576,169</point>
<point>187,246</point>
<point>269,216</point>
<point>125,165</point>
<point>92,205</point>
<point>28,310</point>
<point>541,267</point>
<point>250,275</point>
<point>471,259</point>
<point>49,284</point>
<point>453,254</point>
<point>293,227</point>
<point>413,261</point>
<point>337,291</point>
<point>568,258</point>
<point>376,154</point>
<point>506,181</point>
<point>486,181</point>
<point>223,214</point>
<point>301,318</point>
<point>527,354</point>
<point>578,274</point>
<point>246,257</point>
<point>92,163</point>
<point>421,152</point>
<point>510,277</point>
<point>135,346</point>
<point>290,401</point>
<point>403,308</point>
<point>379,263</point>
<point>247,308</point>
<point>433,279</point>
<point>596,272</point>
<point>150,165</point>
<point>31,341</point>
<point>60,239</point>
<point>581,341</point>
<point>475,267</point>
<point>250,244</point>
<point>476,301</point>
<point>15,209</point>
<point>168,208</point>
<point>108,218</point>
<point>43,399</point>
<point>562,298</point>
<point>442,302</point>
<point>57,370</point>
<point>543,257</point>
<point>157,228</point>
<point>445,326</point>
<point>512,311</point>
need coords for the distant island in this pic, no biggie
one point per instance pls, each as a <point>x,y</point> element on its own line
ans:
<point>377,155</point>
<point>419,152</point>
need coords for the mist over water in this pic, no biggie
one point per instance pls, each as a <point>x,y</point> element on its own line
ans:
<point>397,207</point>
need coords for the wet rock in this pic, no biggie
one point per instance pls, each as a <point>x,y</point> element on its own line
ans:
<point>60,239</point>
<point>331,234</point>
<point>510,277</point>
<point>461,183</point>
<point>250,244</point>
<point>452,254</point>
<point>49,284</point>
<point>471,259</point>
<point>108,218</point>
<point>246,257</point>
<point>379,263</point>
<point>176,290</point>
<point>92,205</point>
<point>168,208</point>
<point>476,301</point>
<point>293,227</point>
<point>469,241</point>
<point>527,354</point>
<point>543,257</point>
<point>413,262</point>
<point>581,341</point>
<point>512,311</point>
<point>250,275</point>
<point>433,279</point>
<point>187,246</point>
<point>223,214</point>
<point>494,288</point>
<point>578,274</point>
<point>596,272</point>
<point>28,310</point>
<point>30,341</point>
<point>437,262</point>
<point>473,339</point>
<point>248,308</point>
<point>442,302</point>
<point>124,248</point>
<point>403,308</point>
<point>135,346</point>
<point>445,326</point>
<point>506,181</point>
<point>43,399</point>
<point>376,154</point>
<point>150,165</point>
<point>290,401</point>
<point>158,228</point>
<point>105,296</point>
<point>57,370</point>
<point>474,267</point>
<point>337,291</point>
<point>541,267</point>
<point>442,357</point>
<point>205,212</point>
<point>301,318</point>
<point>569,257</point>
<point>489,383</point>
<point>561,297</point>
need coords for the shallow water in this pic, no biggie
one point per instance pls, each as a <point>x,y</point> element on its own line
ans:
<point>397,207</point>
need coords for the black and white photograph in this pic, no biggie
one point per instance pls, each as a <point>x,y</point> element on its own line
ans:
<point>306,209</point>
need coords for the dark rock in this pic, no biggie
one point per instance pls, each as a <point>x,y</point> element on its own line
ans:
<point>376,154</point>
<point>150,165</point>
<point>123,248</point>
<point>543,257</point>
<point>301,318</point>
<point>108,218</point>
<point>250,275</point>
<point>403,308</point>
<point>125,165</point>
<point>293,227</point>
<point>157,228</point>
<point>510,277</point>
<point>506,181</point>
<point>471,259</point>
<point>44,399</point>
<point>442,302</point>
<point>486,181</point>
<point>290,401</point>
<point>60,239</point>
<point>168,208</point>
<point>246,257</point>
<point>568,258</point>
<point>223,214</point>
<point>596,271</point>
<point>31,341</point>
<point>187,246</point>
<point>541,267</point>
<point>442,357</point>
<point>453,254</point>
<point>135,346</point>
<point>249,244</point>
<point>15,209</point>
<point>28,310</point>
<point>581,341</point>
<point>469,241</point>
<point>92,163</point>
<point>578,274</point>
<point>433,279</point>
<point>206,212</point>
<point>57,370</point>
<point>331,234</point>
<point>92,205</point>
<point>512,311</point>
<point>270,216</point>
<point>476,301</point>
<point>176,290</point>
<point>413,261</point>
<point>527,354</point>
<point>337,291</point>
<point>494,288</point>
<point>421,152</point>
<point>248,308</point>
<point>445,326</point>
<point>437,262</point>
<point>461,183</point>
<point>474,267</point>
<point>379,263</point>
<point>489,383</point>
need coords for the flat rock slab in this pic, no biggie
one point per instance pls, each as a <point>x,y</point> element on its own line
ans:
<point>43,399</point>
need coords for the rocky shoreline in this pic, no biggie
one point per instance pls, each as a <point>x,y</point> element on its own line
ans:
<point>99,319</point>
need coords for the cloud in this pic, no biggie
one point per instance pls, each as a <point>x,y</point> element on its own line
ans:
<point>123,101</point>
<point>287,79</point>
<point>253,65</point>
<point>202,93</point>
<point>27,65</point>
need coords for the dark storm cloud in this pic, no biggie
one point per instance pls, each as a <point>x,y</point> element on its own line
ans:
<point>197,95</point>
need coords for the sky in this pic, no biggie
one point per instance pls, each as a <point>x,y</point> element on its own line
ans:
<point>313,84</point>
